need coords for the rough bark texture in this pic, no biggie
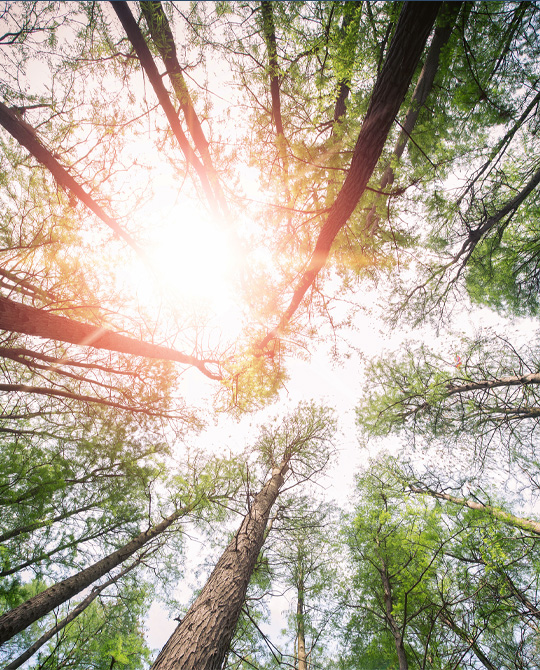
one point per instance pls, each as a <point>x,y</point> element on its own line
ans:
<point>425,83</point>
<point>414,26</point>
<point>202,638</point>
<point>506,517</point>
<point>18,318</point>
<point>147,62</point>
<point>21,617</point>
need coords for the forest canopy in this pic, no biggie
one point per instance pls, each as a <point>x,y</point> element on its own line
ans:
<point>198,198</point>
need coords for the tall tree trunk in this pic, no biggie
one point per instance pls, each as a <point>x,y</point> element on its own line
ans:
<point>16,663</point>
<point>269,31</point>
<point>351,11</point>
<point>300,625</point>
<point>163,40</point>
<point>392,623</point>
<point>449,13</point>
<point>147,62</point>
<point>415,23</point>
<point>18,318</point>
<point>271,45</point>
<point>202,638</point>
<point>19,618</point>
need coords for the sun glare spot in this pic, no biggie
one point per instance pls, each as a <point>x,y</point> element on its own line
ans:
<point>193,258</point>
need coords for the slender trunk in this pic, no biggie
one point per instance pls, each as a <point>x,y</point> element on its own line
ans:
<point>351,11</point>
<point>18,318</point>
<point>392,623</point>
<point>147,62</point>
<point>201,640</point>
<point>531,607</point>
<point>412,31</point>
<point>16,663</point>
<point>19,618</point>
<point>490,222</point>
<point>450,11</point>
<point>163,40</point>
<point>300,626</point>
<point>506,517</point>
<point>271,45</point>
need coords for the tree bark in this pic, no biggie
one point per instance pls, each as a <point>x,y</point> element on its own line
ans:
<point>414,26</point>
<point>269,31</point>
<point>270,38</point>
<point>425,83</point>
<point>18,318</point>
<point>300,626</point>
<point>163,40</point>
<point>422,90</point>
<point>17,662</point>
<point>19,618</point>
<point>392,623</point>
<point>350,10</point>
<point>147,62</point>
<point>201,640</point>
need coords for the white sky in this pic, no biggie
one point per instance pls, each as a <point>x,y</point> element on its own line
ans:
<point>189,251</point>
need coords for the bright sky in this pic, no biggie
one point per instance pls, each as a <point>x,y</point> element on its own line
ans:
<point>196,261</point>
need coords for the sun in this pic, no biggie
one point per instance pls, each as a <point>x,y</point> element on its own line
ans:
<point>193,256</point>
<point>193,265</point>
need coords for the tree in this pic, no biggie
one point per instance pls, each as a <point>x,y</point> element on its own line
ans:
<point>297,449</point>
<point>438,577</point>
<point>396,556</point>
<point>357,119</point>
<point>485,396</point>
